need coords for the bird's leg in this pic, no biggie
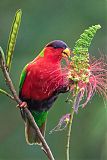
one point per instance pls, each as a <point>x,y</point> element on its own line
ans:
<point>22,105</point>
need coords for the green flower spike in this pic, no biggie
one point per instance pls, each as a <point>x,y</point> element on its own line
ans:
<point>12,38</point>
<point>84,42</point>
<point>81,71</point>
<point>80,59</point>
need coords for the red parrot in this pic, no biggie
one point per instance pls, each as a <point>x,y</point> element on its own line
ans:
<point>41,82</point>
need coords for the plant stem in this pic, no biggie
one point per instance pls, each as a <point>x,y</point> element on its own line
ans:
<point>6,93</point>
<point>69,135</point>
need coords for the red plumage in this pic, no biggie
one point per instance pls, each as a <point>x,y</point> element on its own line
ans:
<point>44,75</point>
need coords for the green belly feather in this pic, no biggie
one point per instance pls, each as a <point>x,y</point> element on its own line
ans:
<point>39,117</point>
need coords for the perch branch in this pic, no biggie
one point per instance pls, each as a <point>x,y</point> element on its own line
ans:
<point>27,112</point>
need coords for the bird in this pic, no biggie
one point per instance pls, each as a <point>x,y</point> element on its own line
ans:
<point>41,81</point>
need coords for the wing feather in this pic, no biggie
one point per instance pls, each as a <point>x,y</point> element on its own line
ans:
<point>22,77</point>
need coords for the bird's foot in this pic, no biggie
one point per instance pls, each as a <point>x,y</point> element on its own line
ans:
<point>22,105</point>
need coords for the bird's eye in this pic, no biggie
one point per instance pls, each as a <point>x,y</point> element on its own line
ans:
<point>55,47</point>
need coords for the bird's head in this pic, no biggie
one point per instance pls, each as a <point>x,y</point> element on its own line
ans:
<point>56,50</point>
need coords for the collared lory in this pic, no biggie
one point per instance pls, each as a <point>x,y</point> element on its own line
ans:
<point>41,82</point>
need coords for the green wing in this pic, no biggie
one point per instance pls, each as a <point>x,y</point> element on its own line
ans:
<point>22,78</point>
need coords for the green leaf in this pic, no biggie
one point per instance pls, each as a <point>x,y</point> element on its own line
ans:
<point>12,38</point>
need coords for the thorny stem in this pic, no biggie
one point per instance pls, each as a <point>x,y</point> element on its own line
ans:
<point>69,135</point>
<point>27,112</point>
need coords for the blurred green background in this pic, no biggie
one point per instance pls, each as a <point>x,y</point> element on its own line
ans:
<point>43,21</point>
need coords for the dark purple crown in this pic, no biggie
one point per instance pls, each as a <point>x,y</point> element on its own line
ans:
<point>57,44</point>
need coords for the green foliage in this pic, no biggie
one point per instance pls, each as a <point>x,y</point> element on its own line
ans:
<point>12,38</point>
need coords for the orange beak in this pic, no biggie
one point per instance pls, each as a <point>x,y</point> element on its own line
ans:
<point>66,53</point>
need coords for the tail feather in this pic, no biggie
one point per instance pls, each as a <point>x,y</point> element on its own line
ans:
<point>30,134</point>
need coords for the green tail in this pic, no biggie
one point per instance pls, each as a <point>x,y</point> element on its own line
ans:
<point>30,134</point>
